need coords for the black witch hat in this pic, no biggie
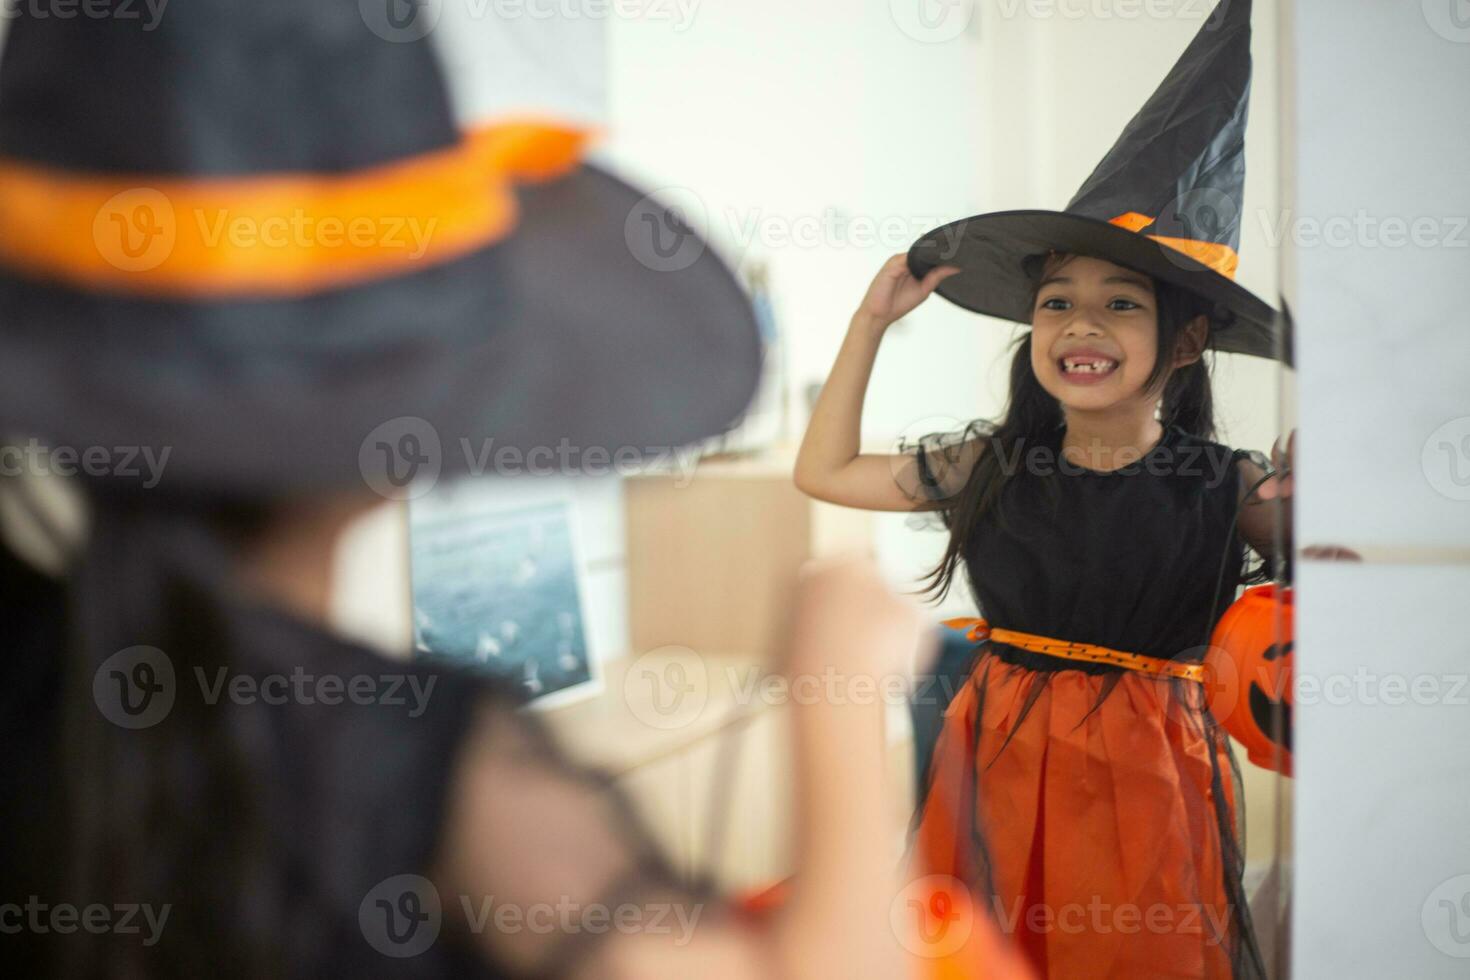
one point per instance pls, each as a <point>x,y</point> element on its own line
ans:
<point>255,234</point>
<point>1165,201</point>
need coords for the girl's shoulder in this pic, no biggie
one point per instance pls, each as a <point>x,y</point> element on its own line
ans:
<point>945,458</point>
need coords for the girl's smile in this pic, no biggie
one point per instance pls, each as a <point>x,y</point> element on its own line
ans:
<point>1087,366</point>
<point>1094,333</point>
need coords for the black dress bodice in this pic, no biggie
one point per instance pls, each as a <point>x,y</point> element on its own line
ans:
<point>1127,559</point>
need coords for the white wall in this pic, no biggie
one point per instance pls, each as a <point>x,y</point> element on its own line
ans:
<point>820,137</point>
<point>1383,831</point>
<point>766,117</point>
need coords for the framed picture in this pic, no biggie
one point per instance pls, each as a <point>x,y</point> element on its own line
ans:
<point>500,588</point>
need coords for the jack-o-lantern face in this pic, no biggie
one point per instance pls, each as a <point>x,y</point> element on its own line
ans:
<point>1253,645</point>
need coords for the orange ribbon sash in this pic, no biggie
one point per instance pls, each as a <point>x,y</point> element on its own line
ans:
<point>978,630</point>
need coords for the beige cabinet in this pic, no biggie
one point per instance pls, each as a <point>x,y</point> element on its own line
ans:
<point>713,557</point>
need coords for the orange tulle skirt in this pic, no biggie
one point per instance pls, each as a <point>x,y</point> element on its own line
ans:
<point>1098,830</point>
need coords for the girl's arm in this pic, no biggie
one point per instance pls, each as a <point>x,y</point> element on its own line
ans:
<point>1270,503</point>
<point>831,466</point>
<point>528,830</point>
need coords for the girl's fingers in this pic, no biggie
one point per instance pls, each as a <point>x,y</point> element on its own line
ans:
<point>897,266</point>
<point>937,276</point>
<point>1330,552</point>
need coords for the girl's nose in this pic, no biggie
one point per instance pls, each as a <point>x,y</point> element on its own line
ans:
<point>1082,324</point>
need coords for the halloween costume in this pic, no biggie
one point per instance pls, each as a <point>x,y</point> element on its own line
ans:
<point>1080,781</point>
<point>265,371</point>
<point>1091,777</point>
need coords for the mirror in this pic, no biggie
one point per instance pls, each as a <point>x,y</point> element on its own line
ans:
<point>808,146</point>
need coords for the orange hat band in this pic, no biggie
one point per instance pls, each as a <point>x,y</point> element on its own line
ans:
<point>978,629</point>
<point>274,235</point>
<point>1222,258</point>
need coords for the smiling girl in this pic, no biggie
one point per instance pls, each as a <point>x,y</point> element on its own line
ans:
<point>1080,781</point>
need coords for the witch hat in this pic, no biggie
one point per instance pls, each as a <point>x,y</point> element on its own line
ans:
<point>1166,201</point>
<point>256,236</point>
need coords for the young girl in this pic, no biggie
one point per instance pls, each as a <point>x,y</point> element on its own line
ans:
<point>1080,781</point>
<point>162,759</point>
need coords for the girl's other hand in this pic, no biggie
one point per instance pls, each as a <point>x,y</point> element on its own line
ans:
<point>895,292</point>
<point>1280,485</point>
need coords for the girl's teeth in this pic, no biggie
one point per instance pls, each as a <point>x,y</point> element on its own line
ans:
<point>1090,367</point>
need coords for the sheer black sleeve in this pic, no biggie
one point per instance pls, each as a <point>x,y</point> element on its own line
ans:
<point>560,849</point>
<point>938,465</point>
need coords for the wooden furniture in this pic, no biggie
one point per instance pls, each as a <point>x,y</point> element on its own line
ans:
<point>713,558</point>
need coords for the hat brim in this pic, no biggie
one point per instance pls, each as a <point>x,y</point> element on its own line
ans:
<point>996,254</point>
<point>570,340</point>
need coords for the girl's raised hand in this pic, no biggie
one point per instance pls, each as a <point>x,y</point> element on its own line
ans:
<point>1280,485</point>
<point>895,292</point>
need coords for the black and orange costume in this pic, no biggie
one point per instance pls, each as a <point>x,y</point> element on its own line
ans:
<point>1085,787</point>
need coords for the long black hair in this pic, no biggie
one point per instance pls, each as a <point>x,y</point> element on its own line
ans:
<point>164,814</point>
<point>1032,414</point>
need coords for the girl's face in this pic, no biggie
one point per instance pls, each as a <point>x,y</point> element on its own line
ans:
<point>1094,334</point>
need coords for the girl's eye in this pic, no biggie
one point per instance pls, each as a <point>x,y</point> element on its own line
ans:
<point>1047,304</point>
<point>1128,304</point>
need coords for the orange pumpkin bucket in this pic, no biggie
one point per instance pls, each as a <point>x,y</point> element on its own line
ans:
<point>1251,675</point>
